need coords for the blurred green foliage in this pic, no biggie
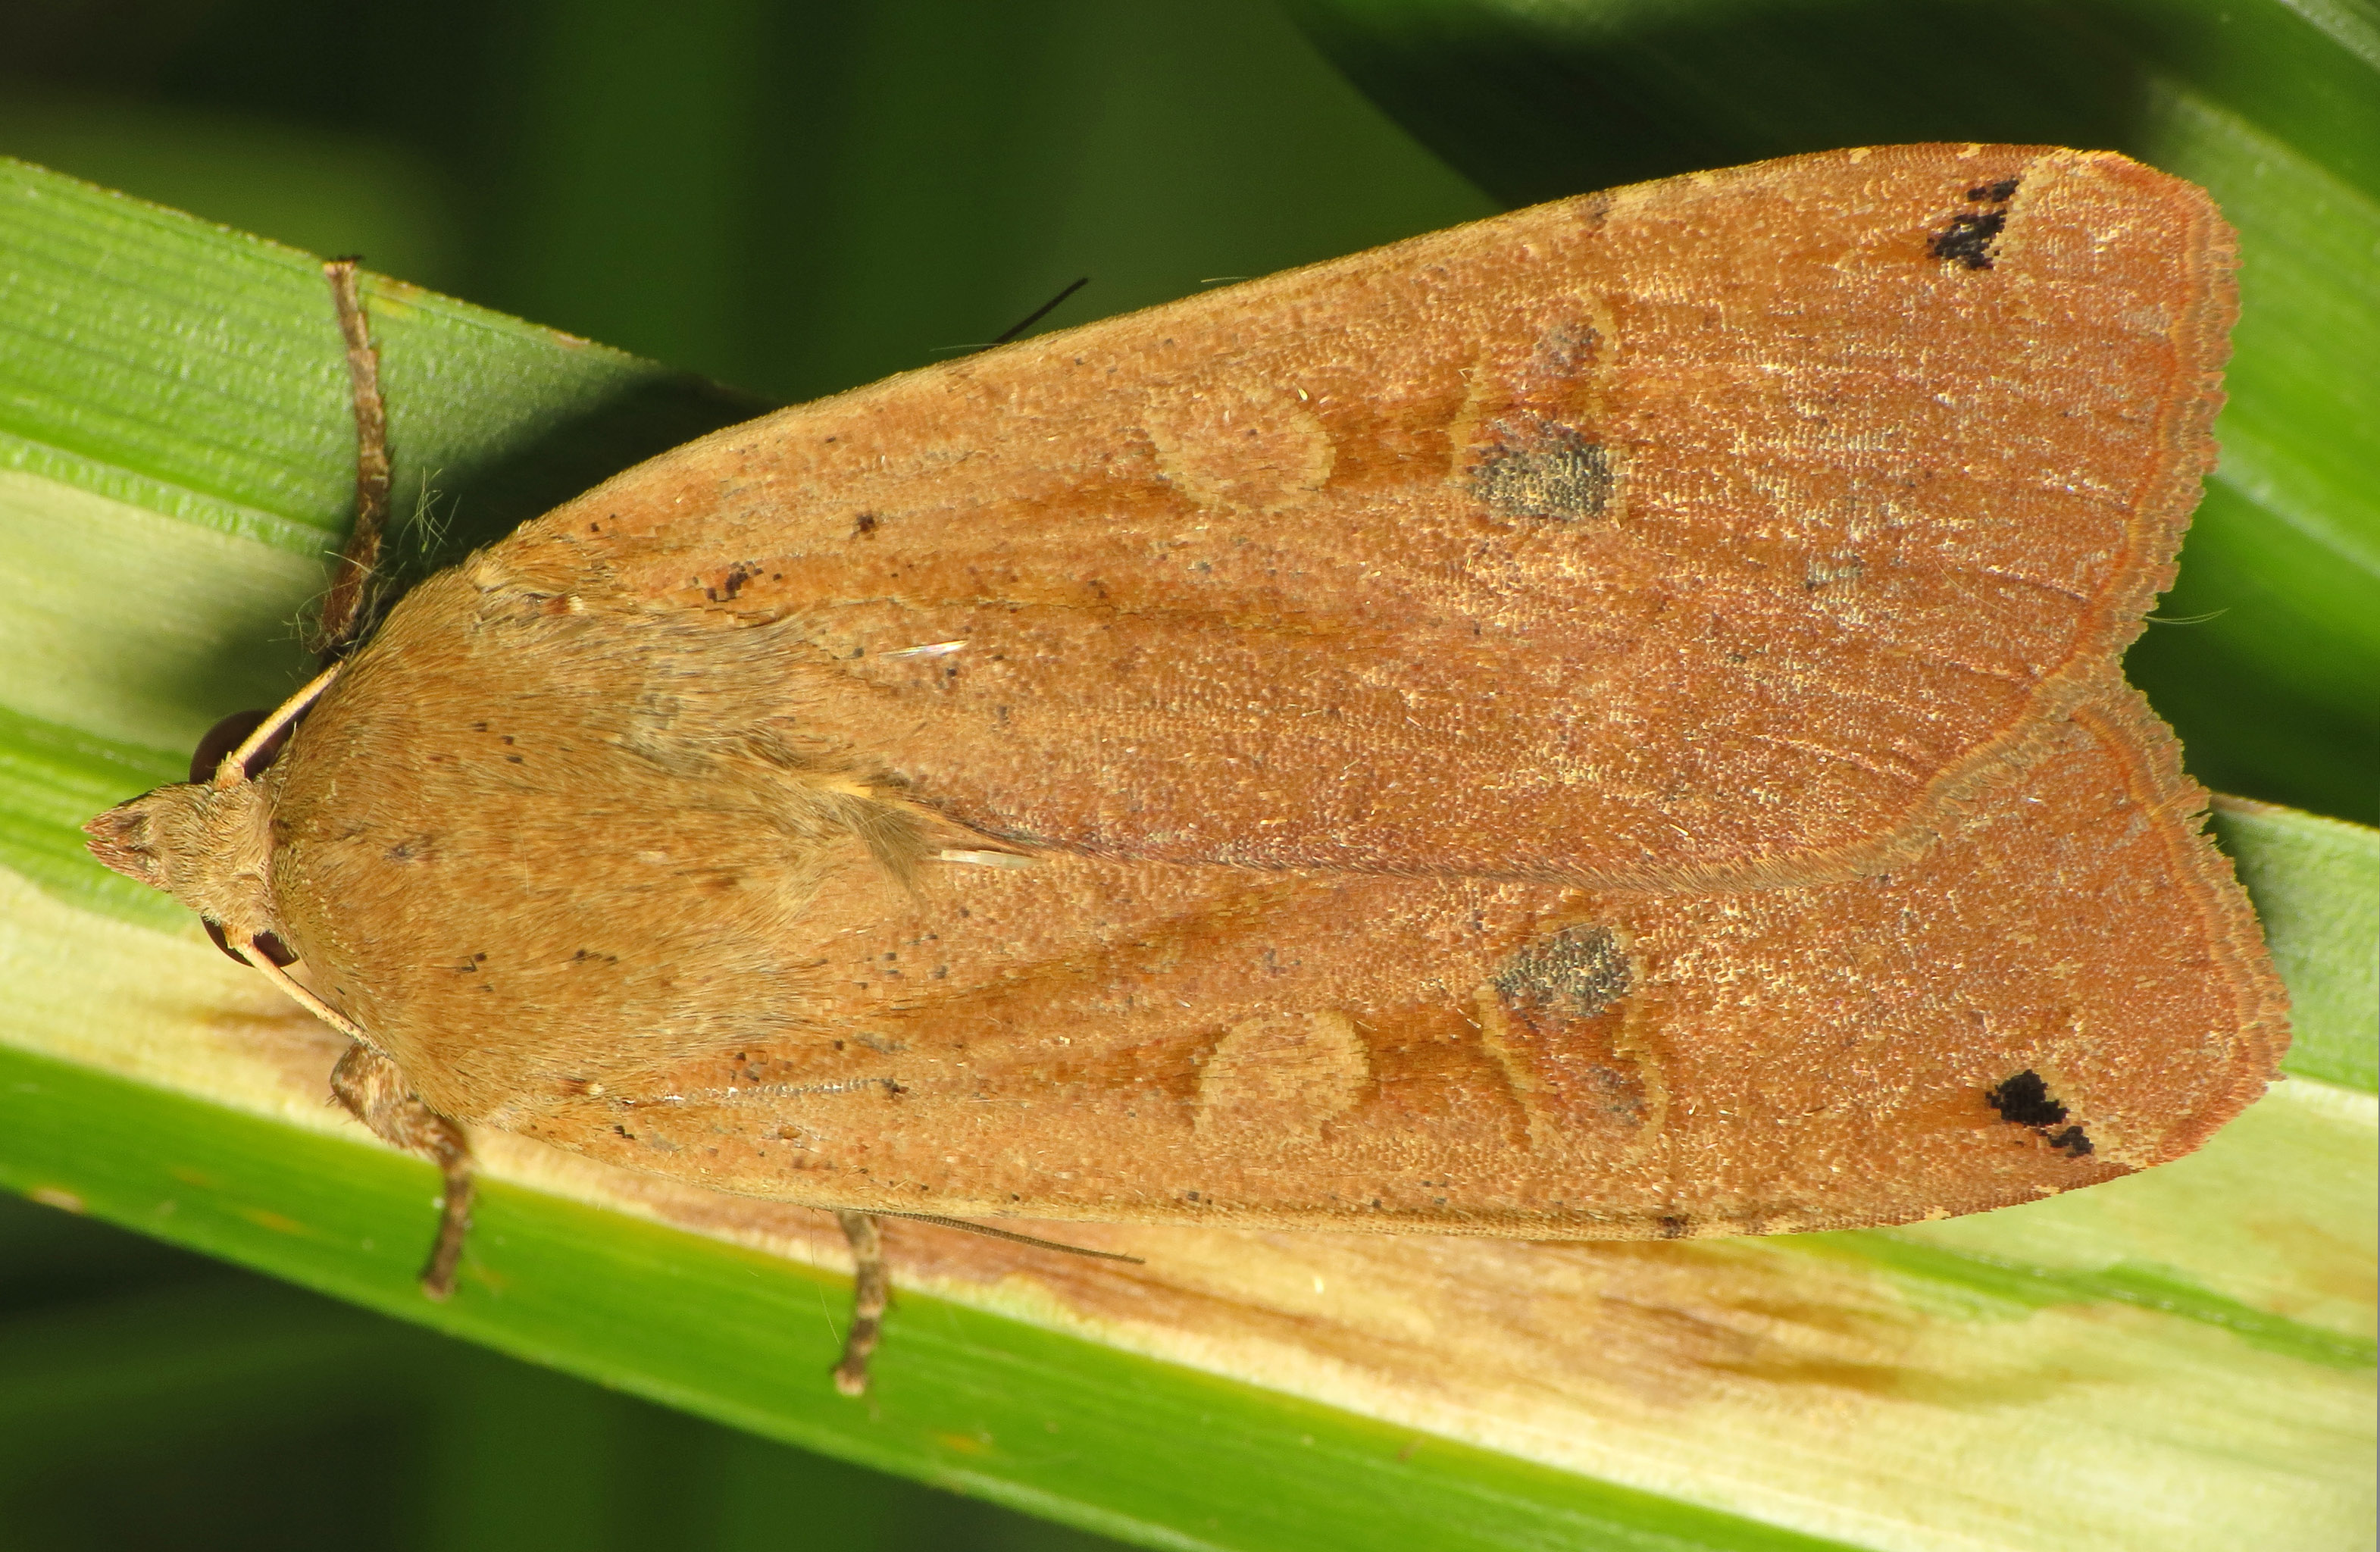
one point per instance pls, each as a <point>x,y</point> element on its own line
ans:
<point>791,198</point>
<point>152,1398</point>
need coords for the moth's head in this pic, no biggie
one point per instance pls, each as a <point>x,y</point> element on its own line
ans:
<point>207,842</point>
<point>207,846</point>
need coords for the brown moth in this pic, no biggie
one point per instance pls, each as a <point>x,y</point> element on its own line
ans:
<point>1601,722</point>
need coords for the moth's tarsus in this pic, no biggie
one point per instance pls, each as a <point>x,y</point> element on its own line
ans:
<point>454,1225</point>
<point>871,1288</point>
<point>343,611</point>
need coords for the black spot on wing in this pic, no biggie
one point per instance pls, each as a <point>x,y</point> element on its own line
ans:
<point>2025,1101</point>
<point>1972,234</point>
<point>732,582</point>
<point>1969,238</point>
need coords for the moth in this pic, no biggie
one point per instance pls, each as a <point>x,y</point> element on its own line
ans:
<point>1600,722</point>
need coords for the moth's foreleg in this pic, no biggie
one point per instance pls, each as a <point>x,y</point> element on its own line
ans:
<point>345,610</point>
<point>370,1084</point>
<point>870,1289</point>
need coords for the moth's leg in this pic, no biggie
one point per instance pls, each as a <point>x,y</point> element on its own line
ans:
<point>370,1084</point>
<point>343,611</point>
<point>869,1291</point>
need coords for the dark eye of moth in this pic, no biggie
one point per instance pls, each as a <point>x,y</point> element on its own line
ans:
<point>219,741</point>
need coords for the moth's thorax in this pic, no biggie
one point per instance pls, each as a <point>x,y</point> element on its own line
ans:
<point>596,830</point>
<point>208,846</point>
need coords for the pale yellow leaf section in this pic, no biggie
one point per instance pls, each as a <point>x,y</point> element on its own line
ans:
<point>177,605</point>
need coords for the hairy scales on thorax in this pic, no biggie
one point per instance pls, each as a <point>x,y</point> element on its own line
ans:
<point>635,798</point>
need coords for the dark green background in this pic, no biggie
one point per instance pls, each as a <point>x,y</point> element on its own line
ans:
<point>797,197</point>
<point>792,197</point>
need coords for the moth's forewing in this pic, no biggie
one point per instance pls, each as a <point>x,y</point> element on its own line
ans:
<point>2067,988</point>
<point>1399,674</point>
<point>1710,530</point>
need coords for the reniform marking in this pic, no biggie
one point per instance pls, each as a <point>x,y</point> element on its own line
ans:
<point>1540,468</point>
<point>1580,970</point>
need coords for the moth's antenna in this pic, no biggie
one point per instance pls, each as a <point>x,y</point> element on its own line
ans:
<point>233,768</point>
<point>1044,310</point>
<point>343,608</point>
<point>1010,1234</point>
<point>303,998</point>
